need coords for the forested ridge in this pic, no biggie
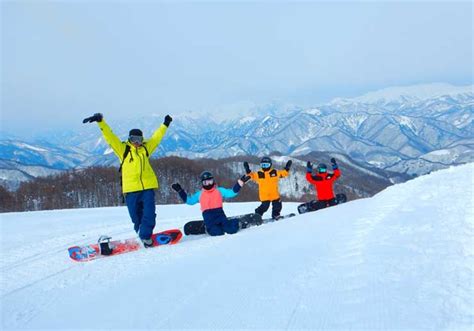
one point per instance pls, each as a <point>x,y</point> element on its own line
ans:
<point>100,186</point>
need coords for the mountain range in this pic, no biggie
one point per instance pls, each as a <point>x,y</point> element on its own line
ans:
<point>412,130</point>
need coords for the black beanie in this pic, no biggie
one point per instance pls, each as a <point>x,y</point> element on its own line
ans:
<point>135,132</point>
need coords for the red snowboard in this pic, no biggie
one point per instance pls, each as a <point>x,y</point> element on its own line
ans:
<point>92,252</point>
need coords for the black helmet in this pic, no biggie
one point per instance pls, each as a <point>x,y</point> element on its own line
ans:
<point>207,180</point>
<point>322,168</point>
<point>135,132</point>
<point>206,175</point>
<point>135,136</point>
<point>266,163</point>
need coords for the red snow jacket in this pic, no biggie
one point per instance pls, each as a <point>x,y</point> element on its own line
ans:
<point>323,184</point>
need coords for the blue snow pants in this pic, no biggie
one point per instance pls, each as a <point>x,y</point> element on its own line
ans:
<point>217,223</point>
<point>141,207</point>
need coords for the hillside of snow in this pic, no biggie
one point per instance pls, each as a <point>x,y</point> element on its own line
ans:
<point>403,259</point>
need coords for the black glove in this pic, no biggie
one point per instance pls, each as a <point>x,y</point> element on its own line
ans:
<point>309,167</point>
<point>245,178</point>
<point>168,120</point>
<point>247,167</point>
<point>288,165</point>
<point>334,164</point>
<point>177,187</point>
<point>97,117</point>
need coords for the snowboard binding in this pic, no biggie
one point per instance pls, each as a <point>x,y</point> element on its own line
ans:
<point>250,220</point>
<point>163,239</point>
<point>105,247</point>
<point>317,205</point>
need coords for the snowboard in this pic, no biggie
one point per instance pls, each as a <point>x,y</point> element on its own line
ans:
<point>245,221</point>
<point>316,205</point>
<point>93,251</point>
<point>282,217</point>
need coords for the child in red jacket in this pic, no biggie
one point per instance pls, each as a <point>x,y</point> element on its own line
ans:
<point>323,182</point>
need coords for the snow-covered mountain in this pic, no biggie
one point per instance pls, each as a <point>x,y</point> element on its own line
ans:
<point>415,129</point>
<point>21,161</point>
<point>421,124</point>
<point>409,94</point>
<point>392,127</point>
<point>13,173</point>
<point>402,259</point>
<point>42,153</point>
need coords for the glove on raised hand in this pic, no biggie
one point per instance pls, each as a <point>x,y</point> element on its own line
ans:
<point>168,120</point>
<point>334,164</point>
<point>309,167</point>
<point>245,178</point>
<point>177,187</point>
<point>97,117</point>
<point>247,167</point>
<point>288,165</point>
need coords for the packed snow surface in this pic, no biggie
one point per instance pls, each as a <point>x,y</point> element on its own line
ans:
<point>402,259</point>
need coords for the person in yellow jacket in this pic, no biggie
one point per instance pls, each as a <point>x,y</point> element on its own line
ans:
<point>267,179</point>
<point>138,178</point>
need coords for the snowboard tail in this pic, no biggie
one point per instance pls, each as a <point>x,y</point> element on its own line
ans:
<point>93,251</point>
<point>316,205</point>
<point>194,228</point>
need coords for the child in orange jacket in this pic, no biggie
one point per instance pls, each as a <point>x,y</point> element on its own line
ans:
<point>267,179</point>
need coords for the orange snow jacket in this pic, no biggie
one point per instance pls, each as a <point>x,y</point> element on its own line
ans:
<point>268,183</point>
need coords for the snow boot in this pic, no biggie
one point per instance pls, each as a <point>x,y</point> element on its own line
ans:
<point>105,247</point>
<point>147,242</point>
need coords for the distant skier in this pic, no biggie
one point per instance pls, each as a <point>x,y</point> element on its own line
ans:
<point>138,178</point>
<point>267,179</point>
<point>323,182</point>
<point>211,199</point>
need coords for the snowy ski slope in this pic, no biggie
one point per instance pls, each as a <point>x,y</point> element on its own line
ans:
<point>402,259</point>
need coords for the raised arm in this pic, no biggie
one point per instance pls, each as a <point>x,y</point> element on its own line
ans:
<point>286,171</point>
<point>117,145</point>
<point>112,140</point>
<point>158,135</point>
<point>228,193</point>
<point>187,199</point>
<point>335,168</point>
<point>193,199</point>
<point>252,175</point>
<point>309,173</point>
<point>182,193</point>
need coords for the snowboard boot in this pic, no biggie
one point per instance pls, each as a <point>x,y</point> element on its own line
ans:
<point>147,243</point>
<point>258,219</point>
<point>105,247</point>
<point>277,217</point>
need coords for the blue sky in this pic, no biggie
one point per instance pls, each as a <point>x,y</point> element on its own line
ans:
<point>64,60</point>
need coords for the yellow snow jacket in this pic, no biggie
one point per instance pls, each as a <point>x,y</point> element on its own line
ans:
<point>137,173</point>
<point>268,183</point>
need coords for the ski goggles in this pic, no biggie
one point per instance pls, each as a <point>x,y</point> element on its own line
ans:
<point>208,182</point>
<point>135,139</point>
<point>322,169</point>
<point>265,165</point>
